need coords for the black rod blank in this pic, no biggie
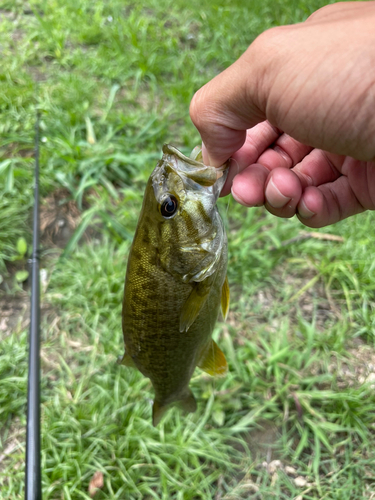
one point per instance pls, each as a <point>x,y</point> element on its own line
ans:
<point>33,486</point>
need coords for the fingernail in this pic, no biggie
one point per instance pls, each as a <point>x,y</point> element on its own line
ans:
<point>243,202</point>
<point>304,211</point>
<point>237,198</point>
<point>274,197</point>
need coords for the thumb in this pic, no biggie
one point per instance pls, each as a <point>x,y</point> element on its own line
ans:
<point>224,109</point>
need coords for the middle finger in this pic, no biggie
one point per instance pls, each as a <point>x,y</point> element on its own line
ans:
<point>249,185</point>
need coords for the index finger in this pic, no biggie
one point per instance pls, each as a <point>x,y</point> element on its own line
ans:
<point>258,139</point>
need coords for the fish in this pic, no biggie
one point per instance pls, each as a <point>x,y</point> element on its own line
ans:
<point>176,279</point>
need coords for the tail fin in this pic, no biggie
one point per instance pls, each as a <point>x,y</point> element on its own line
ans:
<point>158,411</point>
<point>187,403</point>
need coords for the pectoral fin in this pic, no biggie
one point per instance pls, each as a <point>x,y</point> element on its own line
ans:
<point>194,304</point>
<point>126,360</point>
<point>212,360</point>
<point>225,295</point>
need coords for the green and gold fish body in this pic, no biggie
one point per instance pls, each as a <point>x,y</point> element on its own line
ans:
<point>176,280</point>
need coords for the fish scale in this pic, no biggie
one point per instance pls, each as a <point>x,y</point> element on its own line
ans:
<point>176,280</point>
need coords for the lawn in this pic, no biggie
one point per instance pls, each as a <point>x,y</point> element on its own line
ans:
<point>295,416</point>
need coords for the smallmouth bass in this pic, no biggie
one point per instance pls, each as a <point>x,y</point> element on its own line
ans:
<point>176,279</point>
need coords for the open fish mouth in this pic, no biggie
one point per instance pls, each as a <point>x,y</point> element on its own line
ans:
<point>193,168</point>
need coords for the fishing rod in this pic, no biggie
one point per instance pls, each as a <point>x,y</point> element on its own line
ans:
<point>33,485</point>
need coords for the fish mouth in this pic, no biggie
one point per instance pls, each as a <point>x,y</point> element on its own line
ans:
<point>195,170</point>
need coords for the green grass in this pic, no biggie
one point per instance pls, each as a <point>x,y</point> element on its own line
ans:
<point>113,82</point>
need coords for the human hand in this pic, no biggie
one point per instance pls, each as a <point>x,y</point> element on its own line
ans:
<point>297,115</point>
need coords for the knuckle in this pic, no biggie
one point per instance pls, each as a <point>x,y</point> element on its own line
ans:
<point>266,42</point>
<point>198,109</point>
<point>194,106</point>
<point>326,10</point>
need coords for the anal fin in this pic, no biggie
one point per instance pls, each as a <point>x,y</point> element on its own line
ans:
<point>212,360</point>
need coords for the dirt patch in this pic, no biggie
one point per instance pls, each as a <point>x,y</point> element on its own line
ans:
<point>140,98</point>
<point>59,218</point>
<point>38,73</point>
<point>15,317</point>
<point>262,441</point>
<point>14,441</point>
<point>304,297</point>
<point>14,314</point>
<point>311,301</point>
<point>17,35</point>
<point>7,14</point>
<point>358,368</point>
<point>16,150</point>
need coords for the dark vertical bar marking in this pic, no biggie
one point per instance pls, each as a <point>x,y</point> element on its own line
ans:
<point>33,486</point>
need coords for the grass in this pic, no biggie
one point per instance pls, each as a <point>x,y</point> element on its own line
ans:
<point>113,82</point>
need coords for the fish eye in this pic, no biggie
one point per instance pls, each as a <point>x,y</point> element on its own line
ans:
<point>169,206</point>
